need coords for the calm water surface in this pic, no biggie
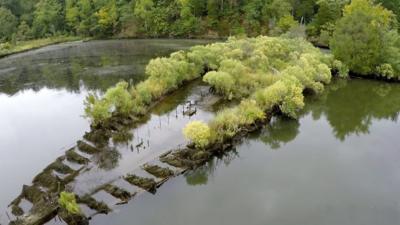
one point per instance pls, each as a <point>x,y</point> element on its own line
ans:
<point>41,99</point>
<point>339,164</point>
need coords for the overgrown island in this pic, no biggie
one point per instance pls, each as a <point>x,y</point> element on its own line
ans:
<point>261,76</point>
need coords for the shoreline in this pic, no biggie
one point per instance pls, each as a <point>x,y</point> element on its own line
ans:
<point>79,39</point>
<point>25,47</point>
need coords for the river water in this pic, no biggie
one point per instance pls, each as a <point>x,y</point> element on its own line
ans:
<point>337,164</point>
<point>42,94</point>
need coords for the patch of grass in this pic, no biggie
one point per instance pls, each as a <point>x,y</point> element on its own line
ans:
<point>22,46</point>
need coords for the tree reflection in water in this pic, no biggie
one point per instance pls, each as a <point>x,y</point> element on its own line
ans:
<point>349,106</point>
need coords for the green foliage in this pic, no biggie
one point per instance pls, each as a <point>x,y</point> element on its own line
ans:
<point>107,18</point>
<point>223,82</point>
<point>198,132</point>
<point>7,25</point>
<point>285,23</point>
<point>265,74</point>
<point>225,125</point>
<point>178,18</point>
<point>48,18</point>
<point>392,5</point>
<point>117,99</point>
<point>249,112</point>
<point>68,202</point>
<point>24,32</point>
<point>341,68</point>
<point>329,11</point>
<point>365,38</point>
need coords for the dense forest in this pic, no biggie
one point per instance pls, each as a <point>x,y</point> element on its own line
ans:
<point>31,19</point>
<point>363,34</point>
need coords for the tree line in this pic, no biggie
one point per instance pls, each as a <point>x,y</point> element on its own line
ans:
<point>31,19</point>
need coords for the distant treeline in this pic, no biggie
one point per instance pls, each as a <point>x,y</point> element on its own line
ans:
<point>32,19</point>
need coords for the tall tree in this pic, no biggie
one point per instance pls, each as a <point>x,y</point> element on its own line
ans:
<point>7,25</point>
<point>49,17</point>
<point>107,17</point>
<point>364,37</point>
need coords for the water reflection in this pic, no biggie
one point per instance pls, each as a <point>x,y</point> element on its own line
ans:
<point>95,65</point>
<point>41,101</point>
<point>350,109</point>
<point>200,176</point>
<point>279,132</point>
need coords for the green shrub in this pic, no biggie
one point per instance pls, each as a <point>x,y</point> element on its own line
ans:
<point>271,96</point>
<point>198,132</point>
<point>293,101</point>
<point>116,99</point>
<point>222,81</point>
<point>68,202</point>
<point>225,125</point>
<point>249,112</point>
<point>341,68</point>
<point>120,98</point>
<point>385,70</point>
<point>268,72</point>
<point>97,109</point>
<point>366,38</point>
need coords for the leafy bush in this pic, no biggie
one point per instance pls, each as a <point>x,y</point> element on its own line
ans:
<point>249,112</point>
<point>271,96</point>
<point>366,38</point>
<point>120,98</point>
<point>225,125</point>
<point>293,101</point>
<point>96,109</point>
<point>116,99</point>
<point>341,68</point>
<point>268,72</point>
<point>286,23</point>
<point>222,81</point>
<point>385,70</point>
<point>68,202</point>
<point>198,132</point>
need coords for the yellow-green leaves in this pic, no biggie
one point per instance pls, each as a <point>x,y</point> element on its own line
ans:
<point>116,99</point>
<point>68,202</point>
<point>198,132</point>
<point>249,112</point>
<point>222,81</point>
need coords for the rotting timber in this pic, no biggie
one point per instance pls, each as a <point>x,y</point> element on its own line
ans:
<point>150,174</point>
<point>60,175</point>
<point>179,161</point>
<point>65,171</point>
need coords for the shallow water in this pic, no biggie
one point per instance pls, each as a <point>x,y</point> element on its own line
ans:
<point>338,164</point>
<point>41,99</point>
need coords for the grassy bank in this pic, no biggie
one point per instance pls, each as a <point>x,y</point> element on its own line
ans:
<point>22,46</point>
